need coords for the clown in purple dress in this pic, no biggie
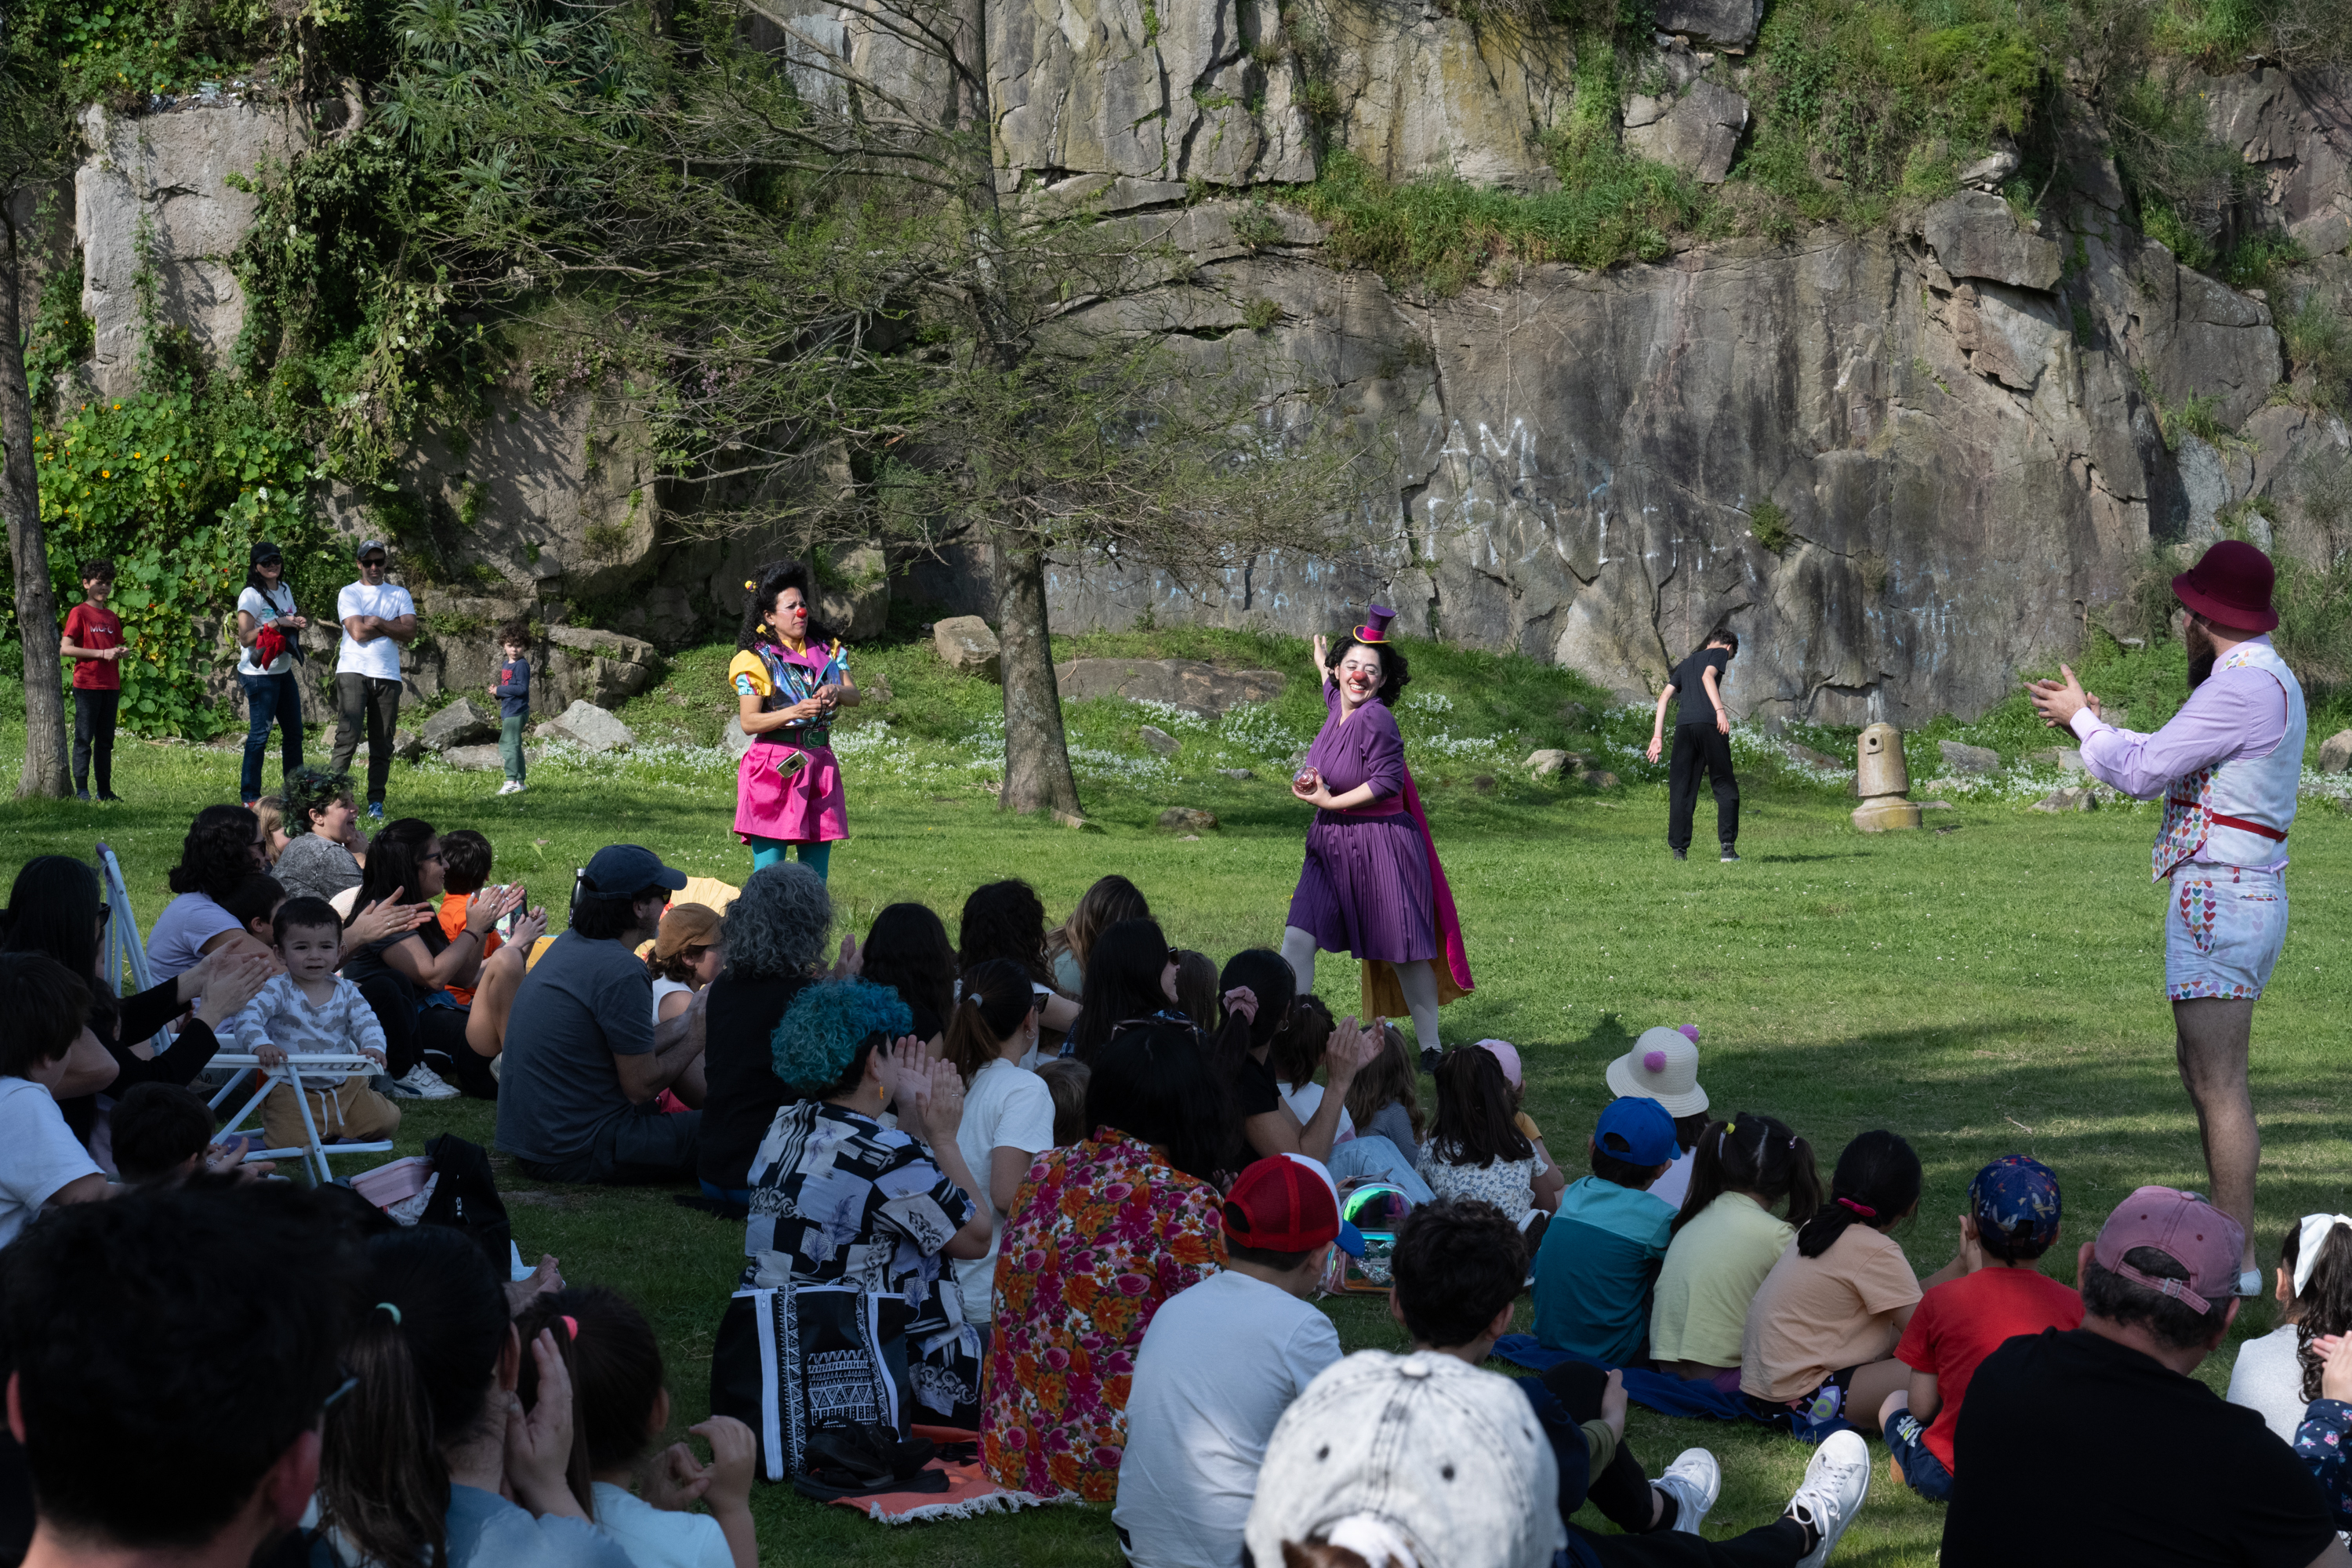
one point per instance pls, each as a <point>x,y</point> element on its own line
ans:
<point>1372,885</point>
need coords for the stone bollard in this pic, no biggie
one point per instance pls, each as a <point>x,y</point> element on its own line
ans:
<point>1883,782</point>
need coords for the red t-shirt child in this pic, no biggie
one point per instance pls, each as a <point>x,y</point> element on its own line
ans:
<point>87,626</point>
<point>1963,1320</point>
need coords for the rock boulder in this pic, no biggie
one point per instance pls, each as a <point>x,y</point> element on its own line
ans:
<point>1159,741</point>
<point>1188,819</point>
<point>1975,235</point>
<point>478,759</point>
<point>1699,134</point>
<point>1728,23</point>
<point>462,721</point>
<point>1190,684</point>
<point>590,727</point>
<point>1967,759</point>
<point>969,646</point>
<point>2064,800</point>
<point>2336,752</point>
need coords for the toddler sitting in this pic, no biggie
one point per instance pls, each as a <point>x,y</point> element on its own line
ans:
<point>309,1010</point>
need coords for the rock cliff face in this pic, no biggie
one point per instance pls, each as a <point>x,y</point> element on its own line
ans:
<point>1900,463</point>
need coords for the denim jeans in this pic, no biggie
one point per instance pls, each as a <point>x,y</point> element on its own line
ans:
<point>269,698</point>
<point>1379,1159</point>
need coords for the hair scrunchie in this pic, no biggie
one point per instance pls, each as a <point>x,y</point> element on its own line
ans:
<point>388,1306</point>
<point>1865,1210</point>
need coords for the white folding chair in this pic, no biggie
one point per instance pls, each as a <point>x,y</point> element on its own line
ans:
<point>328,1068</point>
<point>125,954</point>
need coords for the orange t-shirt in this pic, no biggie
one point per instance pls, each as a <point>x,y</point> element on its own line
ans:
<point>453,920</point>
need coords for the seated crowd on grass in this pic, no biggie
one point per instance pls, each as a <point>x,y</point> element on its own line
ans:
<point>1081,1188</point>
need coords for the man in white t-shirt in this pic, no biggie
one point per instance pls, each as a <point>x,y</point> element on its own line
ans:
<point>41,1162</point>
<point>379,619</point>
<point>1221,1362</point>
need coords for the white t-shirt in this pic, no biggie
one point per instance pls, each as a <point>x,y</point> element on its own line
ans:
<point>265,608</point>
<point>1306,1100</point>
<point>1007,1107</point>
<point>1219,1365</point>
<point>38,1154</point>
<point>379,658</point>
<point>659,1537</point>
<point>665,986</point>
<point>2268,1377</point>
<point>1674,1185</point>
<point>177,943</point>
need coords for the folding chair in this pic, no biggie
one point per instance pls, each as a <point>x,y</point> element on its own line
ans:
<point>331,1069</point>
<point>125,954</point>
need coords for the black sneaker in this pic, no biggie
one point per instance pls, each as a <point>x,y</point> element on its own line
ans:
<point>81,795</point>
<point>1682,854</point>
<point>1730,855</point>
<point>109,797</point>
<point>1429,1060</point>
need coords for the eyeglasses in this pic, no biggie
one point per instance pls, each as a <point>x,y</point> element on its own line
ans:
<point>371,560</point>
<point>428,854</point>
<point>1175,955</point>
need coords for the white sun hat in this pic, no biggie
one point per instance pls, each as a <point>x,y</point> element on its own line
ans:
<point>1663,1066</point>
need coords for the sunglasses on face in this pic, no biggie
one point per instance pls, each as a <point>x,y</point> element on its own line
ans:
<point>1174,955</point>
<point>374,562</point>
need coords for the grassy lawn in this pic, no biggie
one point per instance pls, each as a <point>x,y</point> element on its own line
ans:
<point>1991,986</point>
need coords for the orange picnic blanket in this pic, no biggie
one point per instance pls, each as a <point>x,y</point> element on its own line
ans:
<point>969,1492</point>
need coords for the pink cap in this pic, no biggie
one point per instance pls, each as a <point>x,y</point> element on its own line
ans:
<point>2185,1228</point>
<point>1508,1054</point>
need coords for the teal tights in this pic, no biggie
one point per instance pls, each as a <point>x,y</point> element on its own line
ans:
<point>766,852</point>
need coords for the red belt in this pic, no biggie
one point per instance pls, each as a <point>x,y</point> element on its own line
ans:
<point>2240,823</point>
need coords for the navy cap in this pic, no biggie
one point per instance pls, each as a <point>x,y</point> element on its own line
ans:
<point>1637,1131</point>
<point>2018,1197</point>
<point>618,871</point>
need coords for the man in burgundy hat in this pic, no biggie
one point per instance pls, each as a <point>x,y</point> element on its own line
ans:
<point>2227,767</point>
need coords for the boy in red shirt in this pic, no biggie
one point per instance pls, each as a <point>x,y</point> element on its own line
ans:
<point>93,640</point>
<point>2012,1220</point>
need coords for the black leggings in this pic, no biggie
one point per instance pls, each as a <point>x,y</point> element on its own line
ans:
<point>1622,1492</point>
<point>1777,1546</point>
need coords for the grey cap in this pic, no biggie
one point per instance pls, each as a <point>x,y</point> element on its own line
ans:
<point>368,545</point>
<point>1422,1451</point>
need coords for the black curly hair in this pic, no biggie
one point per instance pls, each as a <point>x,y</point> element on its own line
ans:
<point>773,579</point>
<point>217,854</point>
<point>1394,674</point>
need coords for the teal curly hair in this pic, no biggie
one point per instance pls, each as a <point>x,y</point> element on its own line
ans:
<point>820,1037</point>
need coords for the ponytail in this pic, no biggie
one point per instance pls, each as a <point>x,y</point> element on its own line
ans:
<point>1876,1183</point>
<point>424,1355</point>
<point>997,996</point>
<point>544,1313</point>
<point>1758,1155</point>
<point>2323,1305</point>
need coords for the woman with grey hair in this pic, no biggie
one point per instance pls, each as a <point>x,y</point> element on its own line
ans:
<point>774,934</point>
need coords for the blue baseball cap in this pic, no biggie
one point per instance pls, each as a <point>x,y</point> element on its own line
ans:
<point>1637,1131</point>
<point>2018,1197</point>
<point>622,870</point>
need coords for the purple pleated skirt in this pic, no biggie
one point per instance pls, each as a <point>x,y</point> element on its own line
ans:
<point>1365,888</point>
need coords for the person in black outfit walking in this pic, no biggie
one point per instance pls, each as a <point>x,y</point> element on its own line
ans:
<point>1702,742</point>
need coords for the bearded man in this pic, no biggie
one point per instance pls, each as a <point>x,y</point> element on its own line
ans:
<point>2227,766</point>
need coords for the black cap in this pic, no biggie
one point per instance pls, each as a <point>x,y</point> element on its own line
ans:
<point>621,870</point>
<point>265,551</point>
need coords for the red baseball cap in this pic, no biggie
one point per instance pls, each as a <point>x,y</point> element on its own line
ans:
<point>1288,1203</point>
<point>2185,1228</point>
<point>2231,586</point>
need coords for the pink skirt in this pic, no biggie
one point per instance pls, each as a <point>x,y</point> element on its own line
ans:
<point>807,808</point>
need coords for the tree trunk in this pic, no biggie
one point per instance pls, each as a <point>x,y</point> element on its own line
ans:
<point>20,499</point>
<point>1036,754</point>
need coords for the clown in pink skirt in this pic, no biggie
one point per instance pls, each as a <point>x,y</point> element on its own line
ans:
<point>789,678</point>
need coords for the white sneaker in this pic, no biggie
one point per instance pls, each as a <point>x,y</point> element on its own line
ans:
<point>1693,1481</point>
<point>421,1082</point>
<point>510,787</point>
<point>1836,1481</point>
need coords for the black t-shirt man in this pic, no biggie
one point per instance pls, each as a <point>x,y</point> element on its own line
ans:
<point>2076,1449</point>
<point>1690,682</point>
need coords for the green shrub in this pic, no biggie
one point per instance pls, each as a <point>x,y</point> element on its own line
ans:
<point>1770,525</point>
<point>2318,340</point>
<point>1261,313</point>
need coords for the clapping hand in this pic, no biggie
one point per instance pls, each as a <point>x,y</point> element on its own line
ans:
<point>939,1098</point>
<point>538,1440</point>
<point>1350,1050</point>
<point>2059,700</point>
<point>851,961</point>
<point>233,974</point>
<point>2334,1353</point>
<point>384,918</point>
